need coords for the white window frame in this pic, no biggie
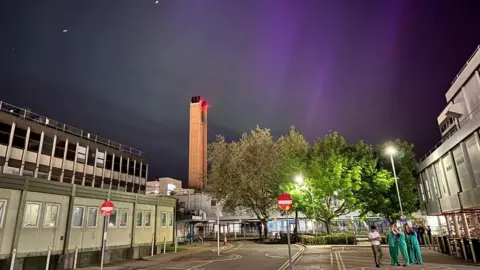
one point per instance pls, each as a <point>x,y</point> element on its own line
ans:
<point>116,219</point>
<point>38,215</point>
<point>136,218</point>
<point>83,216</point>
<point>88,216</point>
<point>45,215</point>
<point>170,219</point>
<point>166,219</point>
<point>144,219</point>
<point>120,218</point>
<point>2,216</point>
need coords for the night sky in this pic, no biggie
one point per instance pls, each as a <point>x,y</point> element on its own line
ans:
<point>372,70</point>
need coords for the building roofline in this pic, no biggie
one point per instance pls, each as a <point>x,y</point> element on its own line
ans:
<point>464,74</point>
<point>43,120</point>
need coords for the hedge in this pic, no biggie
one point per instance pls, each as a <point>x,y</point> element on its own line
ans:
<point>338,239</point>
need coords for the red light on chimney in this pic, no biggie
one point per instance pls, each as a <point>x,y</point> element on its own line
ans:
<point>204,105</point>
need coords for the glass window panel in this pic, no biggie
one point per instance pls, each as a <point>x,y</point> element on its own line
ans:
<point>3,203</point>
<point>451,174</point>
<point>139,218</point>
<point>463,174</point>
<point>92,217</point>
<point>112,221</point>
<point>123,218</point>
<point>170,219</point>
<point>148,219</point>
<point>164,219</point>
<point>32,214</point>
<point>77,216</point>
<point>474,156</point>
<point>51,214</point>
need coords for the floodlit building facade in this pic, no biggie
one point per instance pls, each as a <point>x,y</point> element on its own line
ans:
<point>40,147</point>
<point>163,186</point>
<point>197,154</point>
<point>449,175</point>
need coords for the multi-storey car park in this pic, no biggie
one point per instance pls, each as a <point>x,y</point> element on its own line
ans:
<point>40,147</point>
<point>449,175</point>
<point>53,180</point>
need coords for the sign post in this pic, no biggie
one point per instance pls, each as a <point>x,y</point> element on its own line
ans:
<point>285,203</point>
<point>106,210</point>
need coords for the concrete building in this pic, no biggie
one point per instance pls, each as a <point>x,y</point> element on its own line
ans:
<point>163,186</point>
<point>449,175</point>
<point>197,158</point>
<point>40,147</point>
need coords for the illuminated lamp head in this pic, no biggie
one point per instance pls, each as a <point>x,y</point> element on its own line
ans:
<point>204,105</point>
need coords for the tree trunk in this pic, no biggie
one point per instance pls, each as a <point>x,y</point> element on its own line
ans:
<point>265,228</point>
<point>295,228</point>
<point>327,226</point>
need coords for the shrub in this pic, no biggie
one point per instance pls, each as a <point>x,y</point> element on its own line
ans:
<point>333,239</point>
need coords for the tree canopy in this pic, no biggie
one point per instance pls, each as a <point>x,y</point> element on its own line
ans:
<point>338,177</point>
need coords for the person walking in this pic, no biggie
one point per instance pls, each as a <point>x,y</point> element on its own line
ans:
<point>375,239</point>
<point>414,252</point>
<point>393,245</point>
<point>429,235</point>
<point>402,245</point>
<point>421,235</point>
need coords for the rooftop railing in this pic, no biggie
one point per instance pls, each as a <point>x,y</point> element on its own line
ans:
<point>466,63</point>
<point>450,134</point>
<point>27,114</point>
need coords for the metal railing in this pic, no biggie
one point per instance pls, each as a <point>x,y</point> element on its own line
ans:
<point>466,63</point>
<point>39,119</point>
<point>449,135</point>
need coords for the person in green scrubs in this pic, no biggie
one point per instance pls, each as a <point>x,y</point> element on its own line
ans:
<point>415,255</point>
<point>393,245</point>
<point>402,245</point>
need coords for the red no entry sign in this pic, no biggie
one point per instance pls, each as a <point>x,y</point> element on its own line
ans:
<point>285,202</point>
<point>107,208</point>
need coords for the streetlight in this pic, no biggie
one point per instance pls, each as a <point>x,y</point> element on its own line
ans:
<point>299,179</point>
<point>392,151</point>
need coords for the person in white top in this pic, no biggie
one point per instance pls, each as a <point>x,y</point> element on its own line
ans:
<point>375,238</point>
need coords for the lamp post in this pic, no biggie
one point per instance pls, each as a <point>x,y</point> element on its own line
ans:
<point>392,151</point>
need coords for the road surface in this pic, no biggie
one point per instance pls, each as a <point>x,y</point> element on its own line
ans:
<point>361,258</point>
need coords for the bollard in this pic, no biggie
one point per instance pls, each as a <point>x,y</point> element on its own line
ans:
<point>176,244</point>
<point>12,263</point>
<point>153,243</point>
<point>48,258</point>
<point>164,245</point>
<point>75,258</point>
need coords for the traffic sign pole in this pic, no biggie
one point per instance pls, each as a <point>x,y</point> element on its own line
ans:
<point>285,202</point>
<point>288,241</point>
<point>106,210</point>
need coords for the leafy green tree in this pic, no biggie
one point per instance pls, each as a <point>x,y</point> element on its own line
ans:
<point>336,170</point>
<point>381,197</point>
<point>247,174</point>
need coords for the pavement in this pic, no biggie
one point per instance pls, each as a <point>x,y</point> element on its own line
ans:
<point>253,256</point>
<point>361,258</point>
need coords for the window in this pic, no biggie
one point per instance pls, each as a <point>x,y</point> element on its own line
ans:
<point>5,130</point>
<point>112,221</point>
<point>81,154</point>
<point>108,162</point>
<point>170,219</point>
<point>91,156</point>
<point>139,218</point>
<point>137,169</point>
<point>34,142</point>
<point>71,151</point>
<point>51,214</point>
<point>131,167</point>
<point>148,218</point>
<point>32,214</point>
<point>92,217</point>
<point>213,203</point>
<point>100,163</point>
<point>164,219</point>
<point>116,164</point>
<point>144,171</point>
<point>123,218</point>
<point>3,204</point>
<point>19,137</point>
<point>124,165</point>
<point>59,148</point>
<point>47,146</point>
<point>77,216</point>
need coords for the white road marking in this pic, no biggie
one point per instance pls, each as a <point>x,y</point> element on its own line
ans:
<point>274,256</point>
